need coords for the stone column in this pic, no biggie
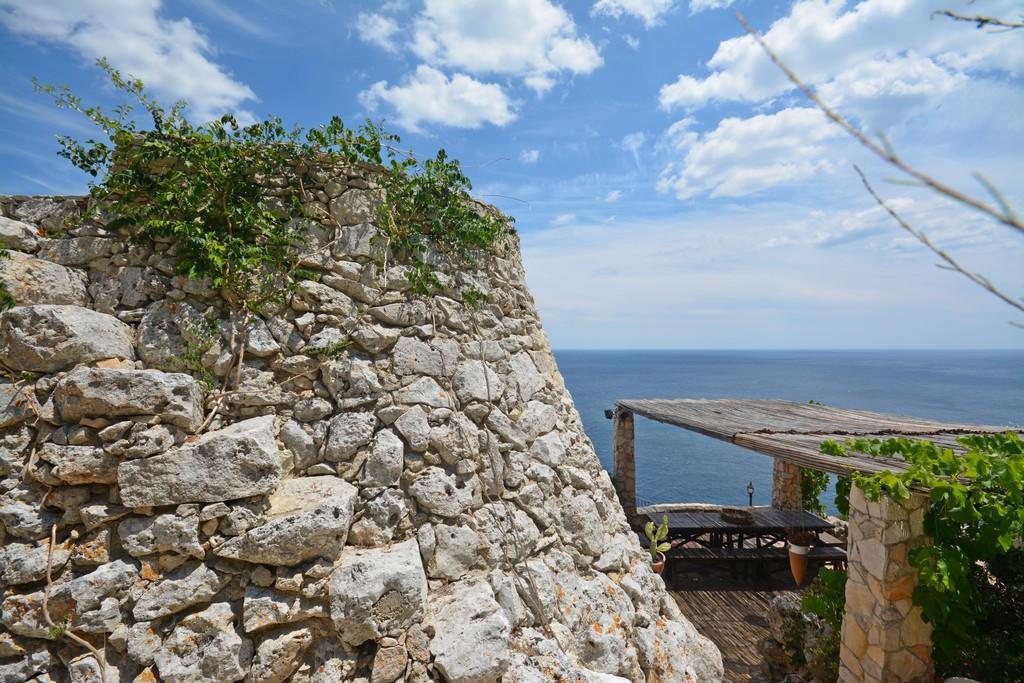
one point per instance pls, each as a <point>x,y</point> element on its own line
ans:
<point>624,463</point>
<point>786,486</point>
<point>884,638</point>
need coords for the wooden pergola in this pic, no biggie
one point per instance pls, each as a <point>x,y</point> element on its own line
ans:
<point>788,431</point>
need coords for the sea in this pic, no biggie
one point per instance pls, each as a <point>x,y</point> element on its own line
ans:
<point>675,465</point>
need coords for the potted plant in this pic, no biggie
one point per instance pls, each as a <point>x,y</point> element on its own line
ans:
<point>657,537</point>
<point>799,545</point>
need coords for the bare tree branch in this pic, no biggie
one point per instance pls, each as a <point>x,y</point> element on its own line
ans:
<point>1002,25</point>
<point>884,150</point>
<point>952,264</point>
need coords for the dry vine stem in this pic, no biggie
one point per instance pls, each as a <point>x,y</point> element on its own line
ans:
<point>101,658</point>
<point>1004,214</point>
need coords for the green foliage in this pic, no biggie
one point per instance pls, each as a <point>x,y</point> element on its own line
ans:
<point>793,627</point>
<point>812,484</point>
<point>6,298</point>
<point>975,519</point>
<point>334,350</point>
<point>657,536</point>
<point>198,340</point>
<point>842,500</point>
<point>205,188</point>
<point>826,598</point>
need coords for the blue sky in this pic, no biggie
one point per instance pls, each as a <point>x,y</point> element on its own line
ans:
<point>670,188</point>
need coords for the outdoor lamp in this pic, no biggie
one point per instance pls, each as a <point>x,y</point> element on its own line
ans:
<point>750,493</point>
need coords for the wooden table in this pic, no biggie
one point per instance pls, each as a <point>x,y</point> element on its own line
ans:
<point>697,535</point>
<point>710,530</point>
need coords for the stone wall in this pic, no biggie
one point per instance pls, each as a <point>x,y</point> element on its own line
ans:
<point>884,638</point>
<point>400,488</point>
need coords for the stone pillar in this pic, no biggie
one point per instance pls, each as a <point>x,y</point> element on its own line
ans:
<point>884,638</point>
<point>624,463</point>
<point>786,486</point>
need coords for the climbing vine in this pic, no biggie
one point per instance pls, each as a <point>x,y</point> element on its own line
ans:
<point>968,587</point>
<point>205,186</point>
<point>7,300</point>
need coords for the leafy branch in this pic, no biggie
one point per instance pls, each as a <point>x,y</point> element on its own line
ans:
<point>975,517</point>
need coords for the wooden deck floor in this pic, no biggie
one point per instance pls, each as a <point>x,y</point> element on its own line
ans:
<point>732,613</point>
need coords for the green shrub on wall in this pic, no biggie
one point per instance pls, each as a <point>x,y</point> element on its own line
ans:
<point>204,187</point>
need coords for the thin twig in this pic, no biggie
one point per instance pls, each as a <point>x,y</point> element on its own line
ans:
<point>952,263</point>
<point>885,152</point>
<point>981,21</point>
<point>101,658</point>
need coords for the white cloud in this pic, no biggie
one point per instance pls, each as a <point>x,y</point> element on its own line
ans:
<point>170,56</point>
<point>377,29</point>
<point>563,219</point>
<point>743,156</point>
<point>534,40</point>
<point>632,143</point>
<point>704,279</point>
<point>701,5</point>
<point>632,41</point>
<point>529,156</point>
<point>647,11</point>
<point>829,43</point>
<point>613,196</point>
<point>428,96</point>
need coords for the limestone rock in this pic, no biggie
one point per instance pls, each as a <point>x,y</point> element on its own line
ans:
<point>414,357</point>
<point>314,296</point>
<point>176,398</point>
<point>526,375</point>
<point>678,653</point>
<point>191,584</point>
<point>413,425</point>
<point>24,668</point>
<point>48,338</point>
<point>85,598</point>
<point>471,633</point>
<point>549,449</point>
<point>300,443</point>
<point>351,207</point>
<point>35,281</point>
<point>386,459</point>
<point>77,251</point>
<point>204,648</point>
<point>17,235</point>
<point>307,518</point>
<point>381,517</point>
<point>375,338</point>
<point>165,332</point>
<point>235,462</point>
<point>17,403</point>
<point>456,550</point>
<point>474,381</point>
<point>21,563</point>
<point>437,492</point>
<point>142,536</point>
<point>280,654</point>
<point>80,464</point>
<point>265,607</point>
<point>377,592</point>
<point>389,664</point>
<point>425,391</point>
<point>349,432</point>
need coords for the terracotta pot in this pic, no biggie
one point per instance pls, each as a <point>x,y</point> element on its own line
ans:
<point>659,566</point>
<point>798,562</point>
